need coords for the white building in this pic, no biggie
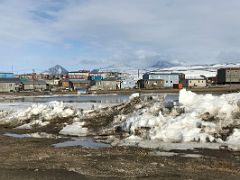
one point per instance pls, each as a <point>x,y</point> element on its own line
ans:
<point>169,78</point>
<point>196,82</point>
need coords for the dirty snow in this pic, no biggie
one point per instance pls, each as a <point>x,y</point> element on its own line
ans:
<point>188,126</point>
<point>198,119</point>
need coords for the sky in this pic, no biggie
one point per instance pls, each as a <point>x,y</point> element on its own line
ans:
<point>87,34</point>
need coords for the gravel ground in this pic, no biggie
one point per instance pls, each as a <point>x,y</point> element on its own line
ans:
<point>31,158</point>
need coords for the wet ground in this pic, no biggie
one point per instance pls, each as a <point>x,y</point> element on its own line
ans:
<point>37,158</point>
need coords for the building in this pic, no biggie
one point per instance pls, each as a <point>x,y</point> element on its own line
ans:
<point>95,77</point>
<point>83,74</point>
<point>7,75</point>
<point>80,84</point>
<point>111,75</point>
<point>53,82</point>
<point>228,75</point>
<point>197,82</point>
<point>128,84</point>
<point>10,84</point>
<point>27,76</point>
<point>151,84</point>
<point>106,85</point>
<point>169,78</point>
<point>66,84</point>
<point>33,85</point>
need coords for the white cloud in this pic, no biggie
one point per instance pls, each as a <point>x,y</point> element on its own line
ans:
<point>132,30</point>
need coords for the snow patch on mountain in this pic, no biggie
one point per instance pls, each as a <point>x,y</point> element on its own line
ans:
<point>56,70</point>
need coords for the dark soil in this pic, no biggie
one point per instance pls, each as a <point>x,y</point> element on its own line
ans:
<point>30,158</point>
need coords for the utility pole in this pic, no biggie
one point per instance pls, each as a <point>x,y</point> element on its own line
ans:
<point>33,79</point>
<point>230,79</point>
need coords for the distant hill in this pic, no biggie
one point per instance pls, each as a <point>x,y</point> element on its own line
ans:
<point>165,64</point>
<point>56,70</point>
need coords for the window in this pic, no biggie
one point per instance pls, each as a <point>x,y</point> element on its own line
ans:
<point>166,81</point>
<point>171,81</point>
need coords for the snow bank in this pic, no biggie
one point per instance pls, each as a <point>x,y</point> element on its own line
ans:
<point>39,115</point>
<point>235,137</point>
<point>203,120</point>
<point>196,118</point>
<point>134,95</point>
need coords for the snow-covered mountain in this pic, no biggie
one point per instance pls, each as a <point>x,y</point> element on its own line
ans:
<point>191,71</point>
<point>56,70</point>
<point>194,71</point>
<point>165,64</point>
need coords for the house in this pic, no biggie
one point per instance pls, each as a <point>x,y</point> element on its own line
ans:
<point>80,84</point>
<point>169,78</point>
<point>151,83</point>
<point>53,82</point>
<point>111,75</point>
<point>107,84</point>
<point>195,82</point>
<point>10,84</point>
<point>95,77</point>
<point>28,76</point>
<point>82,74</point>
<point>33,85</point>
<point>228,75</point>
<point>66,84</point>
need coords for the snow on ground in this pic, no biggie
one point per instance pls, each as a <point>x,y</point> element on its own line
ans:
<point>204,118</point>
<point>198,119</point>
<point>195,71</point>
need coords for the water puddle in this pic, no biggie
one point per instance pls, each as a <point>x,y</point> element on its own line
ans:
<point>83,142</point>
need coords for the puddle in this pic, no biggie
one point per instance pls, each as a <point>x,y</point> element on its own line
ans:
<point>84,142</point>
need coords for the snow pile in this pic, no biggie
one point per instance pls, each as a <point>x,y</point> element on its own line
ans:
<point>40,115</point>
<point>134,95</point>
<point>235,137</point>
<point>201,119</point>
<point>196,118</point>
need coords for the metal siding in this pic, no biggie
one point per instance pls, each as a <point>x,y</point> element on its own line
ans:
<point>169,79</point>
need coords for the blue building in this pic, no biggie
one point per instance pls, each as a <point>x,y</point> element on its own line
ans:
<point>169,78</point>
<point>95,77</point>
<point>7,75</point>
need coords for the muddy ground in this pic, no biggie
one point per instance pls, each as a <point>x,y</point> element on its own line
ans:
<point>31,158</point>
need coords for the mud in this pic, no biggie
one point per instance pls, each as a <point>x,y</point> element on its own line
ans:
<point>29,158</point>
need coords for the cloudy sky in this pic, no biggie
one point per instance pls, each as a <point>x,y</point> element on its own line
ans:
<point>37,34</point>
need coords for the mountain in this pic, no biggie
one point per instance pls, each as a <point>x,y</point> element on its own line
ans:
<point>56,70</point>
<point>165,64</point>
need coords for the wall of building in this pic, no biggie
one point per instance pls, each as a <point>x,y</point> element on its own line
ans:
<point>151,84</point>
<point>128,84</point>
<point>107,85</point>
<point>228,75</point>
<point>8,87</point>
<point>196,83</point>
<point>169,79</point>
<point>81,84</point>
<point>7,75</point>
